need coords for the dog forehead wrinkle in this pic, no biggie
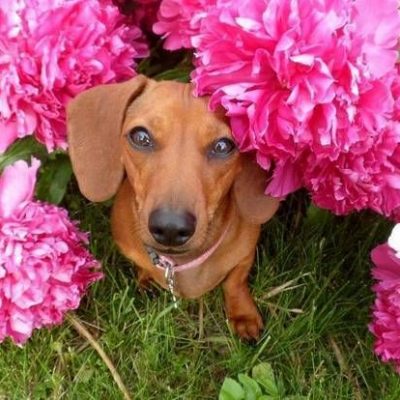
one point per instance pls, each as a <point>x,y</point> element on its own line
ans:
<point>177,95</point>
<point>187,94</point>
<point>167,91</point>
<point>162,99</point>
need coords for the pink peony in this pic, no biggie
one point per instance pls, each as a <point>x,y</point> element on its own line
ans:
<point>312,88</point>
<point>50,50</point>
<point>179,20</point>
<point>44,269</point>
<point>386,311</point>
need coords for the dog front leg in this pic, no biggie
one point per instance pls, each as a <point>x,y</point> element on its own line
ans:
<point>241,310</point>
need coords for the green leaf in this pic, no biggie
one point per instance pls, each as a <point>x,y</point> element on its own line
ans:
<point>264,375</point>
<point>250,386</point>
<point>266,397</point>
<point>231,390</point>
<point>22,150</point>
<point>179,74</point>
<point>54,179</point>
<point>295,397</point>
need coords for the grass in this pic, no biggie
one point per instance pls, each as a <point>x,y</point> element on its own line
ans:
<point>311,282</point>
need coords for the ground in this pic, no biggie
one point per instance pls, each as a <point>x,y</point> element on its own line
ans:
<point>311,282</point>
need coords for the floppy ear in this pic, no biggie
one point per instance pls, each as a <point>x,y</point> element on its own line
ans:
<point>94,123</point>
<point>248,190</point>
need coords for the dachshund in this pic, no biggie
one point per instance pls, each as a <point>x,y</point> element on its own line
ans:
<point>188,205</point>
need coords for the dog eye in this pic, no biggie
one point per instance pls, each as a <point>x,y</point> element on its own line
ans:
<point>140,138</point>
<point>222,148</point>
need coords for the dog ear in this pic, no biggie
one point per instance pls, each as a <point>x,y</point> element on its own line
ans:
<point>94,123</point>
<point>248,189</point>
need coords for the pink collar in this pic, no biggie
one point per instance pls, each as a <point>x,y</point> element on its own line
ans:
<point>164,262</point>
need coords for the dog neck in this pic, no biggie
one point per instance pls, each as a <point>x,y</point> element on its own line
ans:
<point>165,262</point>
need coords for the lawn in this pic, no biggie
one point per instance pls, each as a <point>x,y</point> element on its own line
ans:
<point>311,282</point>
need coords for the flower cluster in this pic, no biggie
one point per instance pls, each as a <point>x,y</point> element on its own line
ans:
<point>50,50</point>
<point>312,88</point>
<point>386,322</point>
<point>44,267</point>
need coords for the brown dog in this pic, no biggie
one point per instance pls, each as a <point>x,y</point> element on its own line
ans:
<point>186,199</point>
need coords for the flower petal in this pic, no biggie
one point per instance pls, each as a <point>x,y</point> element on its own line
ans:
<point>17,184</point>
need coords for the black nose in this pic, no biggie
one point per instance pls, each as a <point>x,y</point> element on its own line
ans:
<point>171,228</point>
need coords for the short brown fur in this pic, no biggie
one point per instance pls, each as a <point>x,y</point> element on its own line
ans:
<point>222,194</point>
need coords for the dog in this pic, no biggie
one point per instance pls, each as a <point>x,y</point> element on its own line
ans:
<point>188,206</point>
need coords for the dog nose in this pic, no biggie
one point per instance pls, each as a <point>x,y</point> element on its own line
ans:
<point>171,228</point>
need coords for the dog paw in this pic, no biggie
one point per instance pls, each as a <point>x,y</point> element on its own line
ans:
<point>247,326</point>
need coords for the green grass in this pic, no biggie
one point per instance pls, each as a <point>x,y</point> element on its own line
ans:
<point>316,335</point>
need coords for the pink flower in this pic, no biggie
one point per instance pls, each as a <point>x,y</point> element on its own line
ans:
<point>44,269</point>
<point>179,20</point>
<point>385,325</point>
<point>313,90</point>
<point>50,50</point>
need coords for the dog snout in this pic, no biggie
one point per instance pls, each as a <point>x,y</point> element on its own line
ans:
<point>171,228</point>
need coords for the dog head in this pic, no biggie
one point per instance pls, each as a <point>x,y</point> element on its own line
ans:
<point>179,158</point>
